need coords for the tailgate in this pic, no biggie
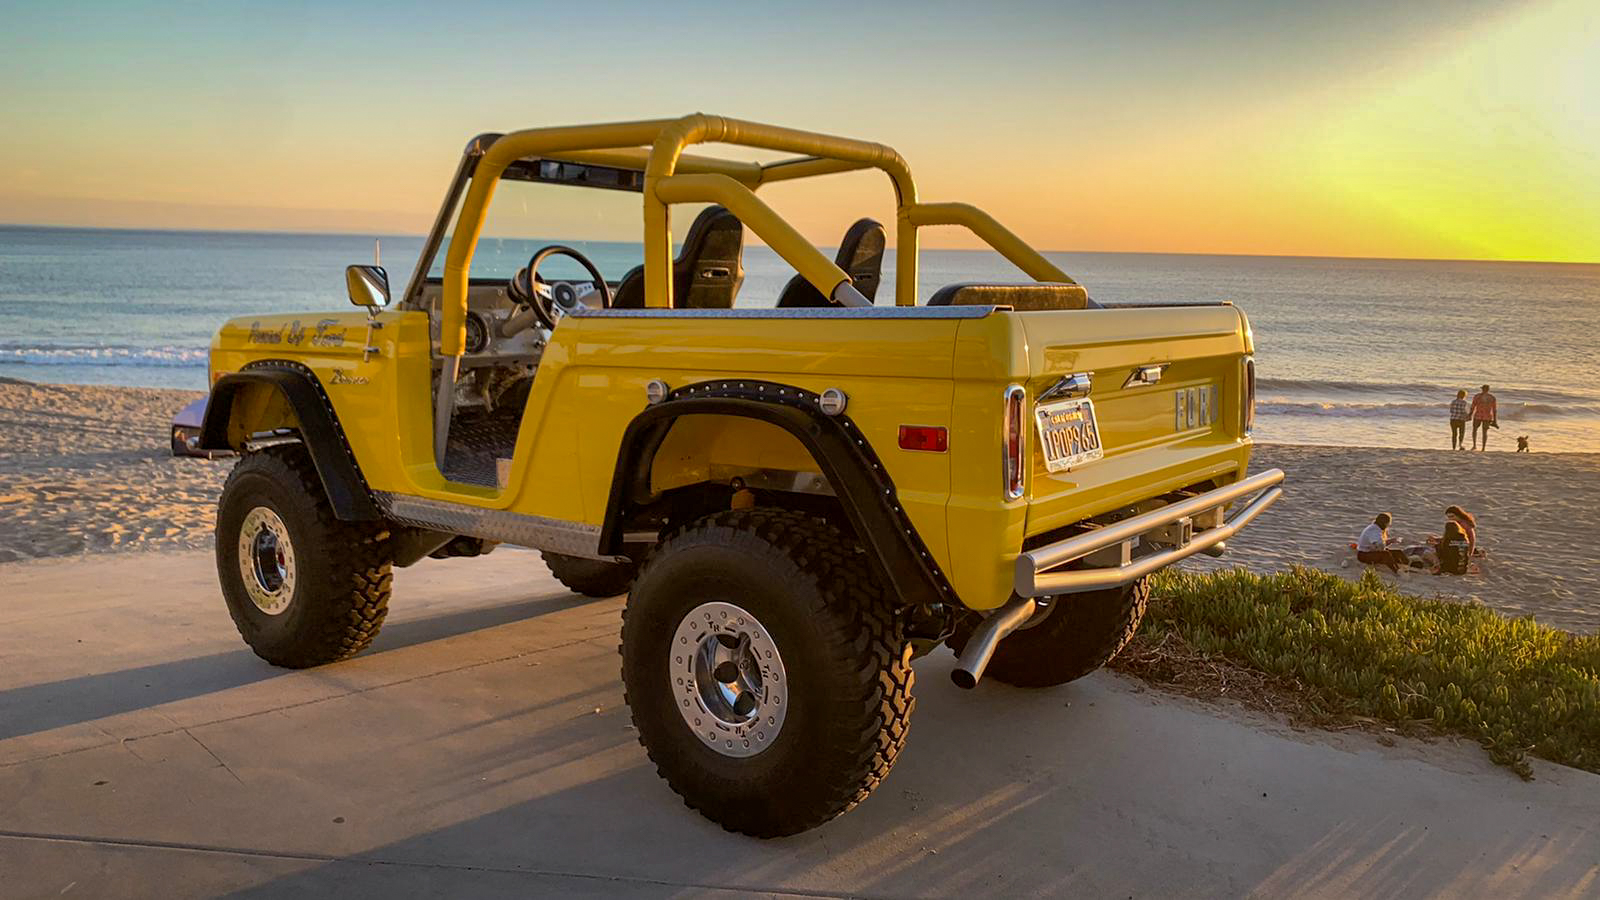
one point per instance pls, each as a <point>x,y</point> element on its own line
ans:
<point>1166,387</point>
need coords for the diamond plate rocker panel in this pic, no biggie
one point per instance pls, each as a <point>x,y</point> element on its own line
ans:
<point>538,532</point>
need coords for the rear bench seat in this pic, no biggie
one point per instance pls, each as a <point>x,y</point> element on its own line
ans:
<point>1027,296</point>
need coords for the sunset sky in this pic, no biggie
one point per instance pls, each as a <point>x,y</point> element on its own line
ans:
<point>1456,129</point>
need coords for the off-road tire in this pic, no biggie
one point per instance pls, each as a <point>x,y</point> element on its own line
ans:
<point>591,577</point>
<point>1078,634</point>
<point>342,569</point>
<point>847,661</point>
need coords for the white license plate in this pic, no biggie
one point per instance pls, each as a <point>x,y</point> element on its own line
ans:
<point>1067,433</point>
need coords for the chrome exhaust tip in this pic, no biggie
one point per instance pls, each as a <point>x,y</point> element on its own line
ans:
<point>986,637</point>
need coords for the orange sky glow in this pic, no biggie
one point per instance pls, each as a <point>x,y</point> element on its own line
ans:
<point>1458,130</point>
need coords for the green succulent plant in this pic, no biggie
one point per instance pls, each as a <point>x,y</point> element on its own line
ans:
<point>1364,648</point>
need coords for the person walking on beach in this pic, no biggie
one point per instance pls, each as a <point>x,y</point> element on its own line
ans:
<point>1373,545</point>
<point>1459,411</point>
<point>1485,415</point>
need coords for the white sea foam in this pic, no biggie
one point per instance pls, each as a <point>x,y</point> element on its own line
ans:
<point>160,357</point>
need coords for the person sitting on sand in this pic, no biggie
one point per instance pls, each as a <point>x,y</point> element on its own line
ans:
<point>1485,415</point>
<point>1372,547</point>
<point>1454,554</point>
<point>1468,524</point>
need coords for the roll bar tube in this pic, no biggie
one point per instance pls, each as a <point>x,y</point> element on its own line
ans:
<point>724,181</point>
<point>758,217</point>
<point>1001,238</point>
<point>669,145</point>
<point>475,206</point>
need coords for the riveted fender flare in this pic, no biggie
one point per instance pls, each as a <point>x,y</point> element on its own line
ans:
<point>842,453</point>
<point>319,431</point>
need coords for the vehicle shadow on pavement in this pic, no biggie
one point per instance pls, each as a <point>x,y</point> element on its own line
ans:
<point>71,701</point>
<point>1077,800</point>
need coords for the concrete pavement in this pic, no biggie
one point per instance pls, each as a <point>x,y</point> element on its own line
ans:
<point>481,748</point>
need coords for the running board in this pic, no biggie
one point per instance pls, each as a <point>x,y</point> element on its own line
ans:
<point>499,525</point>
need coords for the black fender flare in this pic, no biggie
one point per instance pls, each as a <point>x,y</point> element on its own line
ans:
<point>319,431</point>
<point>841,451</point>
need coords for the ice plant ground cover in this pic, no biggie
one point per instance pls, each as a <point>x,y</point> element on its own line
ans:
<point>1331,651</point>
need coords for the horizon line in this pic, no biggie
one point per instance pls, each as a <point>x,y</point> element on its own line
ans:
<point>421,236</point>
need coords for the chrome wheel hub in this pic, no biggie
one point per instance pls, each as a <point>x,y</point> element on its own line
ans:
<point>728,679</point>
<point>266,561</point>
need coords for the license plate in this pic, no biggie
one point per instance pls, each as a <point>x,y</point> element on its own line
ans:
<point>1068,433</point>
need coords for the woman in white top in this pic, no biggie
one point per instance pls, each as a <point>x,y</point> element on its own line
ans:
<point>1373,545</point>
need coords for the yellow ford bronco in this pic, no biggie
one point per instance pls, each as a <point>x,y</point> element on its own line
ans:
<point>800,491</point>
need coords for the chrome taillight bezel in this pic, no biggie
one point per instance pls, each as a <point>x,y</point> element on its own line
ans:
<point>1247,408</point>
<point>1014,442</point>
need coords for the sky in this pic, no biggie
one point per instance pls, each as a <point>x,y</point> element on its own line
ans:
<point>1426,129</point>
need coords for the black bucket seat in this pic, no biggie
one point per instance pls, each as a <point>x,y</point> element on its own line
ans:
<point>860,256</point>
<point>708,271</point>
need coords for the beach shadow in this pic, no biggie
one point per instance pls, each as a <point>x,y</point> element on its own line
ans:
<point>71,701</point>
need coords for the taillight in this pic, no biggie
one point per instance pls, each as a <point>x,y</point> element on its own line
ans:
<point>1015,435</point>
<point>932,438</point>
<point>1248,408</point>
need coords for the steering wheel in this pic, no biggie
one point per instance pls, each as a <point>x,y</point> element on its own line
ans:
<point>551,303</point>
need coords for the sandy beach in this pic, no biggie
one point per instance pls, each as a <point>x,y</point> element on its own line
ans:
<point>1538,515</point>
<point>88,469</point>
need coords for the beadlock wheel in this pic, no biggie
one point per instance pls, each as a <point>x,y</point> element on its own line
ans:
<point>266,561</point>
<point>303,587</point>
<point>728,673</point>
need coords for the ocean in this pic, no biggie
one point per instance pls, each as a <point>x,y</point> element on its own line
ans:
<point>1353,352</point>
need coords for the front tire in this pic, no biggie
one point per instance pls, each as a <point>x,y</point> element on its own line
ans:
<point>303,587</point>
<point>1076,635</point>
<point>767,673</point>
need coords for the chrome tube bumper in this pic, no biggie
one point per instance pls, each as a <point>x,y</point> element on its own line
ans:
<point>1035,576</point>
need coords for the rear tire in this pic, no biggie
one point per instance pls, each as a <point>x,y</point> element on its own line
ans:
<point>590,577</point>
<point>790,620</point>
<point>1078,634</point>
<point>303,587</point>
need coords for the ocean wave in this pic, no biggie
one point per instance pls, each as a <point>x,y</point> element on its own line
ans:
<point>163,357</point>
<point>1512,410</point>
<point>1318,387</point>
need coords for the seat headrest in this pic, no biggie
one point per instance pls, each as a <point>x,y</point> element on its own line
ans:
<point>711,220</point>
<point>861,255</point>
<point>710,267</point>
<point>1029,296</point>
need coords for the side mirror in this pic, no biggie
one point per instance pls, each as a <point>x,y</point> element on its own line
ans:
<point>368,286</point>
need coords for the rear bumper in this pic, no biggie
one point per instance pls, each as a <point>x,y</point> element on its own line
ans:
<point>1039,572</point>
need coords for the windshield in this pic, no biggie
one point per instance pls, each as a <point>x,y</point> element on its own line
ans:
<point>603,225</point>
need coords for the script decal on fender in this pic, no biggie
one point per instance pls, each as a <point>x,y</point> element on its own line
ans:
<point>259,336</point>
<point>323,334</point>
<point>343,376</point>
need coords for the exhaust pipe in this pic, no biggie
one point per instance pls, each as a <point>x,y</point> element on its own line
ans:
<point>988,635</point>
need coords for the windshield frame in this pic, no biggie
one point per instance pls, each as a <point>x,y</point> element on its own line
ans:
<point>536,169</point>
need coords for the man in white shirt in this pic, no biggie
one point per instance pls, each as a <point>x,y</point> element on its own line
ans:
<point>1373,545</point>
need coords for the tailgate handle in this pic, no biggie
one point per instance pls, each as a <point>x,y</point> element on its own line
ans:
<point>1078,384</point>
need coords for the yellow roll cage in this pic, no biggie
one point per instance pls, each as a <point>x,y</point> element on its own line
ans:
<point>672,176</point>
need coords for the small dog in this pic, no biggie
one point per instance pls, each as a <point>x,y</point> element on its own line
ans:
<point>1522,443</point>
